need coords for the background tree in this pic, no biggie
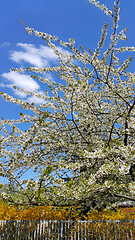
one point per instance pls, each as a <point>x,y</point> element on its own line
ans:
<point>80,141</point>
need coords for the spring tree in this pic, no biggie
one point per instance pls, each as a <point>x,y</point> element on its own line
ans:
<point>80,140</point>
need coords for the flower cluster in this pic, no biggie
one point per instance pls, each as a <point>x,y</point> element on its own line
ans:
<point>102,7</point>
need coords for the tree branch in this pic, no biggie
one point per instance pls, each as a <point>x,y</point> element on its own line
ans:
<point>126,124</point>
<point>124,196</point>
<point>75,122</point>
<point>110,135</point>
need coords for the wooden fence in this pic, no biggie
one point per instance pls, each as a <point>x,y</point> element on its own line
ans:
<point>67,230</point>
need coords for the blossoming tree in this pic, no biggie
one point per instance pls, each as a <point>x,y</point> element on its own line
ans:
<point>80,141</point>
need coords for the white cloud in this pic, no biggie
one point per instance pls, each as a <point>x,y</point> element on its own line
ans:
<point>38,57</point>
<point>22,81</point>
<point>25,82</point>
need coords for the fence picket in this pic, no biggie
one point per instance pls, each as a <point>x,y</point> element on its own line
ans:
<point>68,230</point>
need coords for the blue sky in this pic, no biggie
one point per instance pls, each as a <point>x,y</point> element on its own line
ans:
<point>73,18</point>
